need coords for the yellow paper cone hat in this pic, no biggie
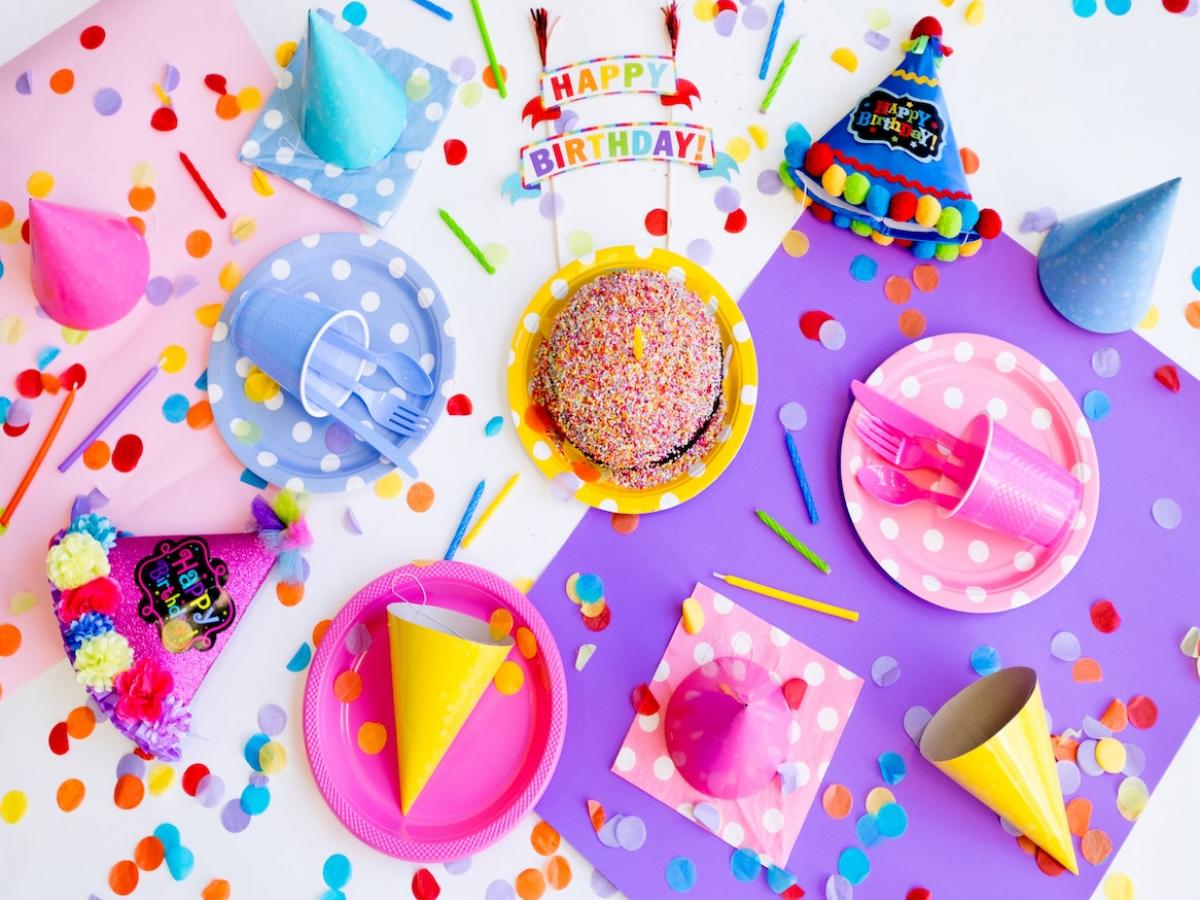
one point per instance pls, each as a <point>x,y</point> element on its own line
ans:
<point>442,662</point>
<point>992,738</point>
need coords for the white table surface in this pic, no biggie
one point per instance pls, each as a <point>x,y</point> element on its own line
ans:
<point>1055,107</point>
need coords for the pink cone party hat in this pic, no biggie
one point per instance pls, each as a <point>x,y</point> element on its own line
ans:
<point>88,268</point>
<point>143,619</point>
<point>726,728</point>
<point>890,169</point>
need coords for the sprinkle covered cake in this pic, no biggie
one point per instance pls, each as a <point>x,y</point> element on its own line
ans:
<point>631,377</point>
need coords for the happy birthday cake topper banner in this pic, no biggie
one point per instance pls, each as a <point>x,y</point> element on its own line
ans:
<point>632,74</point>
<point>621,142</point>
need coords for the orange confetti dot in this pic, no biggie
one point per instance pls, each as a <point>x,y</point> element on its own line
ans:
<point>970,160</point>
<point>558,873</point>
<point>96,455</point>
<point>142,198</point>
<point>586,471</point>
<point>227,106</point>
<point>1116,717</point>
<point>837,801</point>
<point>912,323</point>
<point>500,623</point>
<point>289,594</point>
<point>526,642</point>
<point>347,686</point>
<point>897,289</point>
<point>62,81</point>
<point>81,721</point>
<point>10,639</point>
<point>509,678</point>
<point>319,630</point>
<point>420,497</point>
<point>1096,846</point>
<point>597,814</point>
<point>530,884</point>
<point>1086,670</point>
<point>1191,312</point>
<point>149,853</point>
<point>198,243</point>
<point>372,738</point>
<point>1079,815</point>
<point>625,523</point>
<point>1027,846</point>
<point>70,794</point>
<point>1064,748</point>
<point>489,80</point>
<point>128,792</point>
<point>545,838</point>
<point>123,878</point>
<point>138,223</point>
<point>926,277</point>
<point>208,314</point>
<point>217,889</point>
<point>199,415</point>
<point>7,214</point>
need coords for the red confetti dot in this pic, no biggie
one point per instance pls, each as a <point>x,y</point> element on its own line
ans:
<point>811,322</point>
<point>918,893</point>
<point>794,690</point>
<point>25,231</point>
<point>73,377</point>
<point>723,5</point>
<point>459,405</point>
<point>138,751</point>
<point>735,221</point>
<point>192,776</point>
<point>1168,377</point>
<point>215,83</point>
<point>644,701</point>
<point>92,37</point>
<point>424,885</point>
<point>1143,712</point>
<point>455,150</point>
<point>127,452</point>
<point>1105,616</point>
<point>656,222</point>
<point>1175,6</point>
<point>1048,864</point>
<point>600,622</point>
<point>164,119</point>
<point>795,892</point>
<point>15,430</point>
<point>29,383</point>
<point>59,739</point>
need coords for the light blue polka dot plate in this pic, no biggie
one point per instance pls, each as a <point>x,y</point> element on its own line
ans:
<point>276,439</point>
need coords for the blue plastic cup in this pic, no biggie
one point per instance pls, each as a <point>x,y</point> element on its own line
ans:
<point>281,334</point>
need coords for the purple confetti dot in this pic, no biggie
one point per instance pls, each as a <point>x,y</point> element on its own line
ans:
<point>272,719</point>
<point>350,520</point>
<point>258,779</point>
<point>131,764</point>
<point>358,639</point>
<point>234,818</point>
<point>1065,646</point>
<point>338,438</point>
<point>725,22</point>
<point>463,68</point>
<point>564,485</point>
<point>877,40</point>
<point>700,251</point>
<point>19,413</point>
<point>1085,757</point>
<point>631,832</point>
<point>106,102</point>
<point>1135,760</point>
<point>608,832</point>
<point>793,416</point>
<point>499,890</point>
<point>458,866</point>
<point>1106,362</point>
<point>1010,828</point>
<point>305,568</point>
<point>769,182</point>
<point>210,790</point>
<point>915,720</point>
<point>601,886</point>
<point>885,671</point>
<point>727,199</point>
<point>159,290</point>
<point>1167,513</point>
<point>832,335</point>
<point>566,121</point>
<point>25,83</point>
<point>1068,776</point>
<point>755,18</point>
<point>185,284</point>
<point>837,887</point>
<point>552,205</point>
<point>170,79</point>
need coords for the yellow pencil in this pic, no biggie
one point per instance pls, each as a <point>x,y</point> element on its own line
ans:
<point>491,508</point>
<point>807,602</point>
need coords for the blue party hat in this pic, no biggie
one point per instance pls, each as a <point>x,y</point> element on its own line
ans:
<point>890,168</point>
<point>352,112</point>
<point>1098,268</point>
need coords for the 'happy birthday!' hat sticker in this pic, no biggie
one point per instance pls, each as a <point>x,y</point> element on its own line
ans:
<point>353,112</point>
<point>890,168</point>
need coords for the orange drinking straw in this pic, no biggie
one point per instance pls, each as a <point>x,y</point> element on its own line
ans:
<point>27,478</point>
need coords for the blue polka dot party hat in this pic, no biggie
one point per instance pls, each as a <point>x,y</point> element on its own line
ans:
<point>353,112</point>
<point>1098,268</point>
<point>890,168</point>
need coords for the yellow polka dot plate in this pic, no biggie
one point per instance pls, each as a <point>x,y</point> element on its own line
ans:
<point>564,465</point>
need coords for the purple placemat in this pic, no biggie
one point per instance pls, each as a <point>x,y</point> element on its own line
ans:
<point>1145,446</point>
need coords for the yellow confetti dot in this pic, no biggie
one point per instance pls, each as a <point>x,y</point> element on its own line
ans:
<point>208,314</point>
<point>160,778</point>
<point>259,387</point>
<point>1132,797</point>
<point>878,798</point>
<point>389,486</point>
<point>261,184</point>
<point>878,19</point>
<point>1118,886</point>
<point>372,738</point>
<point>845,58</point>
<point>229,276</point>
<point>1150,320</point>
<point>1110,755</point>
<point>693,616</point>
<point>22,601</point>
<point>284,53</point>
<point>571,581</point>
<point>579,242</point>
<point>526,642</point>
<point>13,806</point>
<point>173,358</point>
<point>591,610</point>
<point>249,98</point>
<point>142,174</point>
<point>759,135</point>
<point>974,13</point>
<point>509,677</point>
<point>795,243</point>
<point>705,10</point>
<point>470,93</point>
<point>738,148</point>
<point>524,585</point>
<point>40,184</point>
<point>73,336</point>
<point>272,758</point>
<point>500,624</point>
<point>242,229</point>
<point>12,329</point>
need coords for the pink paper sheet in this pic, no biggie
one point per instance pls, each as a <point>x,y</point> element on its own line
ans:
<point>186,478</point>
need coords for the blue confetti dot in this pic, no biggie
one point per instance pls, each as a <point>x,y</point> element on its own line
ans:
<point>253,746</point>
<point>1084,8</point>
<point>892,767</point>
<point>202,381</point>
<point>168,834</point>
<point>744,864</point>
<point>255,799</point>
<point>5,403</point>
<point>1,268</point>
<point>1195,277</point>
<point>300,659</point>
<point>853,865</point>
<point>46,356</point>
<point>779,880</point>
<point>985,660</point>
<point>797,132</point>
<point>333,894</point>
<point>336,871</point>
<point>589,588</point>
<point>1118,7</point>
<point>863,268</point>
<point>493,426</point>
<point>867,830</point>
<point>681,874</point>
<point>180,862</point>
<point>892,819</point>
<point>1096,405</point>
<point>354,13</point>
<point>255,481</point>
<point>175,408</point>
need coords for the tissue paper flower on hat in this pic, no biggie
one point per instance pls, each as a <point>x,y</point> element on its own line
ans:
<point>101,659</point>
<point>100,595</point>
<point>142,688</point>
<point>76,560</point>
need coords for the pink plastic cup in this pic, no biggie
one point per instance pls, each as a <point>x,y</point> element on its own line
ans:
<point>1017,489</point>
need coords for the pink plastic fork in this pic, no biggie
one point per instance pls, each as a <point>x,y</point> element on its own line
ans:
<point>903,450</point>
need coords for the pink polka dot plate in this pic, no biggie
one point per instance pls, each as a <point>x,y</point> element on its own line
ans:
<point>948,379</point>
<point>497,767</point>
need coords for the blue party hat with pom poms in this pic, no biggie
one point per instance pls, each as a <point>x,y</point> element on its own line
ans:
<point>890,169</point>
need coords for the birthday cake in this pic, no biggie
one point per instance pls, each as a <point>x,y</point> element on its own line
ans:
<point>631,377</point>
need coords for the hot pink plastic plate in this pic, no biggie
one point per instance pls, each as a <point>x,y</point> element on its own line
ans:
<point>497,767</point>
<point>948,379</point>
